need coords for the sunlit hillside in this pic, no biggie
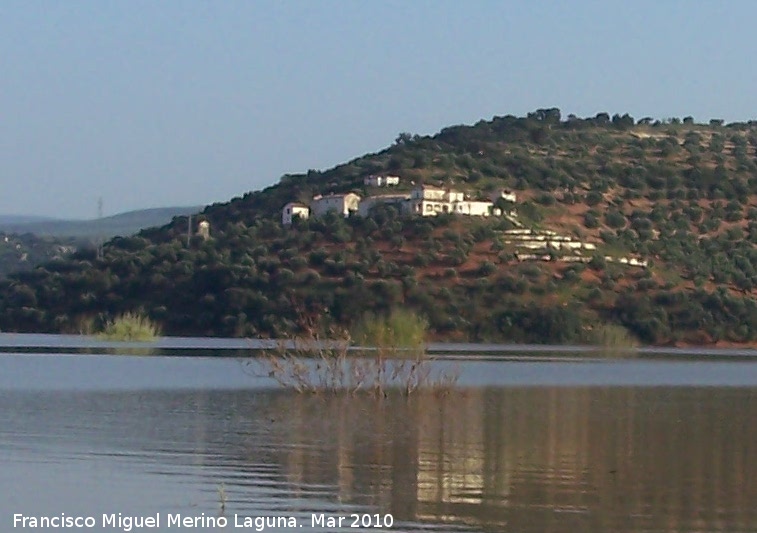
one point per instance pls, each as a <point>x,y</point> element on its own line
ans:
<point>663,214</point>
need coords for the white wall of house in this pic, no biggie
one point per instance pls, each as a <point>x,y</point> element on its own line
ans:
<point>430,201</point>
<point>381,181</point>
<point>429,193</point>
<point>343,204</point>
<point>291,210</point>
<point>475,208</point>
<point>455,196</point>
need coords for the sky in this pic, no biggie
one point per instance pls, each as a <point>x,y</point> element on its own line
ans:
<point>149,104</point>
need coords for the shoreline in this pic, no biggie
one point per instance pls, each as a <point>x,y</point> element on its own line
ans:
<point>45,341</point>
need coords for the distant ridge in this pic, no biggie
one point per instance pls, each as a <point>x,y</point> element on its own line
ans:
<point>22,219</point>
<point>122,224</point>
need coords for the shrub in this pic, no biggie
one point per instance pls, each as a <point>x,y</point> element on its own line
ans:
<point>590,221</point>
<point>394,356</point>
<point>615,219</point>
<point>593,198</point>
<point>486,268</point>
<point>546,199</point>
<point>400,331</point>
<point>613,338</point>
<point>130,327</point>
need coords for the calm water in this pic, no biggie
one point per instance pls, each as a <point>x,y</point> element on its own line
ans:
<point>543,446</point>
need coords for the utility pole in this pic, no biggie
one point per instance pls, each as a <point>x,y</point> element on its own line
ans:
<point>189,229</point>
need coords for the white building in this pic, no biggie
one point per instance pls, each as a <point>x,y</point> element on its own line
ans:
<point>427,192</point>
<point>203,229</point>
<point>381,181</point>
<point>344,204</point>
<point>292,210</point>
<point>421,201</point>
<point>474,208</point>
<point>430,201</point>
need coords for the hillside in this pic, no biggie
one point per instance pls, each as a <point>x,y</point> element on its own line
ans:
<point>27,241</point>
<point>26,251</point>
<point>107,227</point>
<point>675,196</point>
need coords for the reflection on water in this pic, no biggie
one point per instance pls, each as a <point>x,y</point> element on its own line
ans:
<point>552,459</point>
<point>538,459</point>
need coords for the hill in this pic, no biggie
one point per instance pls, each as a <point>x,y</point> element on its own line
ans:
<point>121,224</point>
<point>27,241</point>
<point>25,251</point>
<point>675,197</point>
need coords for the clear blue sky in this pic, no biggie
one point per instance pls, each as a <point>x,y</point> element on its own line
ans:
<point>149,104</point>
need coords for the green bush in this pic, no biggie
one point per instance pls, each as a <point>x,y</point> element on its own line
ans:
<point>612,338</point>
<point>590,221</point>
<point>130,327</point>
<point>615,219</point>
<point>486,269</point>
<point>401,330</point>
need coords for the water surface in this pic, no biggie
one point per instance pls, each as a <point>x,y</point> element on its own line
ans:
<point>555,446</point>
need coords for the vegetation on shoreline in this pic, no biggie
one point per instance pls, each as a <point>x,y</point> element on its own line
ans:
<point>401,333</point>
<point>130,327</point>
<point>390,355</point>
<point>680,194</point>
<point>613,340</point>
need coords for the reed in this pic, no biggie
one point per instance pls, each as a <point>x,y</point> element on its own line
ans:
<point>401,332</point>
<point>85,325</point>
<point>613,339</point>
<point>222,496</point>
<point>390,355</point>
<point>130,327</point>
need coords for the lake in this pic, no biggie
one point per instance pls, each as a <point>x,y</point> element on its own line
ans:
<point>552,442</point>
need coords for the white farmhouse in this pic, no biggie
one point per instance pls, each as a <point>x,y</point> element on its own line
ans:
<point>344,204</point>
<point>381,181</point>
<point>430,201</point>
<point>292,210</point>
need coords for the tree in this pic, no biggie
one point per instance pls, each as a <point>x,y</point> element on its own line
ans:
<point>622,122</point>
<point>403,139</point>
<point>602,119</point>
<point>550,115</point>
